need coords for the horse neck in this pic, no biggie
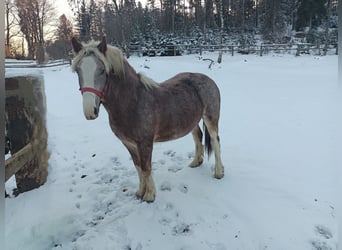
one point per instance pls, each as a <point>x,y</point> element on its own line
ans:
<point>124,87</point>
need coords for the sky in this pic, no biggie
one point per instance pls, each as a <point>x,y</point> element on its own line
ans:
<point>63,7</point>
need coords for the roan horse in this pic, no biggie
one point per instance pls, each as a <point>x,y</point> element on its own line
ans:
<point>142,112</point>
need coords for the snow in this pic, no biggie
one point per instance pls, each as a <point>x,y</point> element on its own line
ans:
<point>280,138</point>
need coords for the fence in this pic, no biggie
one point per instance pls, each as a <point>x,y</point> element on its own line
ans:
<point>34,64</point>
<point>263,49</point>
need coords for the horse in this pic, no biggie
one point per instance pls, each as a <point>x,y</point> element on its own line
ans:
<point>142,112</point>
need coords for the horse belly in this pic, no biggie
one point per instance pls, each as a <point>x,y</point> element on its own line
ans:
<point>177,120</point>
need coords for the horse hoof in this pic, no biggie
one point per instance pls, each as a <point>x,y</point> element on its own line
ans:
<point>219,174</point>
<point>196,164</point>
<point>139,195</point>
<point>149,197</point>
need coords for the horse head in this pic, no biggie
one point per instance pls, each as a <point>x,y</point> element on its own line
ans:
<point>92,72</point>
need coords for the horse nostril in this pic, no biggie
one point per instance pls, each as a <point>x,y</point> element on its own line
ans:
<point>95,111</point>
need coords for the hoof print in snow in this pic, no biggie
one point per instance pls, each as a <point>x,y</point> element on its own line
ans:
<point>57,245</point>
<point>168,206</point>
<point>170,153</point>
<point>161,162</point>
<point>165,186</point>
<point>116,161</point>
<point>181,229</point>
<point>165,221</point>
<point>77,235</point>
<point>323,232</point>
<point>78,205</point>
<point>95,221</point>
<point>175,168</point>
<point>191,155</point>
<point>183,188</point>
<point>320,245</point>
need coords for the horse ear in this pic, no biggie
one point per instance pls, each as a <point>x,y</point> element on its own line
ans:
<point>76,45</point>
<point>103,45</point>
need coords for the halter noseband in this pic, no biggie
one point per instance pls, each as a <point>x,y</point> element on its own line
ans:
<point>95,91</point>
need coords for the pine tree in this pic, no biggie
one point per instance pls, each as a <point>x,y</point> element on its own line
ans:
<point>61,47</point>
<point>64,29</point>
<point>273,24</point>
<point>311,13</point>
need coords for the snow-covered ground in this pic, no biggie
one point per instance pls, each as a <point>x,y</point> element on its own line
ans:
<point>280,136</point>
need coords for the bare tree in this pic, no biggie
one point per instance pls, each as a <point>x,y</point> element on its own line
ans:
<point>12,26</point>
<point>34,15</point>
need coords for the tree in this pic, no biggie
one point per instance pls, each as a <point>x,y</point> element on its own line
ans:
<point>64,29</point>
<point>61,47</point>
<point>11,25</point>
<point>273,23</point>
<point>34,15</point>
<point>83,20</point>
<point>310,13</point>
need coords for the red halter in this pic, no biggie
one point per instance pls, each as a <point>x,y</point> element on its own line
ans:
<point>95,91</point>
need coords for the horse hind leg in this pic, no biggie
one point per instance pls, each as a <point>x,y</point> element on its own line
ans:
<point>212,128</point>
<point>197,136</point>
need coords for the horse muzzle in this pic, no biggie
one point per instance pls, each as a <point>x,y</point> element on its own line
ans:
<point>91,105</point>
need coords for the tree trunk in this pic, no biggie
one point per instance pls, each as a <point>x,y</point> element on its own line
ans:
<point>327,28</point>
<point>7,44</point>
<point>219,59</point>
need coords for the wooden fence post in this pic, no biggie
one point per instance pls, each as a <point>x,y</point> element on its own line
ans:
<point>260,50</point>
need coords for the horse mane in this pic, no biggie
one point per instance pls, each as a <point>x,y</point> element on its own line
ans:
<point>113,58</point>
<point>148,82</point>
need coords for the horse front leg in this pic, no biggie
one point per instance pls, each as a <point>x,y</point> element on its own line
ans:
<point>147,191</point>
<point>132,149</point>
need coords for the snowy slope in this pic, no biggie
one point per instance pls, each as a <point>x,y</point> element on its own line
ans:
<point>279,142</point>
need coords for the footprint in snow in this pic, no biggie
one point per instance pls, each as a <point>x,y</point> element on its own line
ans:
<point>320,245</point>
<point>323,232</point>
<point>170,153</point>
<point>191,155</point>
<point>181,229</point>
<point>183,188</point>
<point>165,186</point>
<point>115,161</point>
<point>175,168</point>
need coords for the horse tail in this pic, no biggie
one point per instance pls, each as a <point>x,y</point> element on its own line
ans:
<point>207,140</point>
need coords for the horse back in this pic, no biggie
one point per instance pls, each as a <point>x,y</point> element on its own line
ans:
<point>181,102</point>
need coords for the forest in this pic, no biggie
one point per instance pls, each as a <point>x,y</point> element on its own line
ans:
<point>127,23</point>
